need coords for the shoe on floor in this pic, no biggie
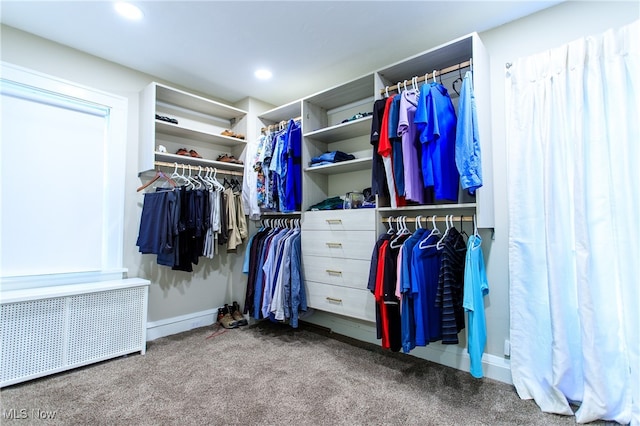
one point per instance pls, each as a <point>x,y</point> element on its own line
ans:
<point>237,314</point>
<point>225,319</point>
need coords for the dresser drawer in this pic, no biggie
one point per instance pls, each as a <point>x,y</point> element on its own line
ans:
<point>350,302</point>
<point>352,273</point>
<point>339,244</point>
<point>340,220</point>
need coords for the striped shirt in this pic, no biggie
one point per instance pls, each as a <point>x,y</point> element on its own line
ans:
<point>450,286</point>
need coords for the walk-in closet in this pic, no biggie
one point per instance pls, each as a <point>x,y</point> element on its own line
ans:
<point>319,212</point>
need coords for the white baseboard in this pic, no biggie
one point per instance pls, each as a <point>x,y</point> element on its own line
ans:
<point>179,324</point>
<point>494,367</point>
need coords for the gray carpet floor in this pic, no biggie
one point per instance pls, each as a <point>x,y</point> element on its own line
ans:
<point>268,374</point>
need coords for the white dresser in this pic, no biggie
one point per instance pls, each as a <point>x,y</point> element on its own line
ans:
<point>336,254</point>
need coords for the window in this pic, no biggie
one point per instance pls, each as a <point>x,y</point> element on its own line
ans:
<point>62,181</point>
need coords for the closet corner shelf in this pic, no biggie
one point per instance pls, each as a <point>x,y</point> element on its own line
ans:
<point>342,167</point>
<point>192,134</point>
<point>194,161</point>
<point>190,101</point>
<point>342,131</point>
<point>285,112</point>
<point>430,207</point>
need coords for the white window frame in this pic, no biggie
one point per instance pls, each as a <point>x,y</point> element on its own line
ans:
<point>114,179</point>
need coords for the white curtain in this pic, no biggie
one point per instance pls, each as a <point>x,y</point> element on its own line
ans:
<point>574,226</point>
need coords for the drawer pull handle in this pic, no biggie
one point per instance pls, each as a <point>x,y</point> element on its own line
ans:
<point>334,244</point>
<point>333,272</point>
<point>334,300</point>
<point>334,221</point>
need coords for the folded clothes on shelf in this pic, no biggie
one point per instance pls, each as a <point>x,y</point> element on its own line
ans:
<point>330,158</point>
<point>332,203</point>
<point>357,116</point>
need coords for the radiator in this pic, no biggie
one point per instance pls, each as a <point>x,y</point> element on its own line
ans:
<point>53,329</point>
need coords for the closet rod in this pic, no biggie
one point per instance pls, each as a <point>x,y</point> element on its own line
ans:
<point>446,70</point>
<point>197,168</point>
<point>427,219</point>
<point>280,124</point>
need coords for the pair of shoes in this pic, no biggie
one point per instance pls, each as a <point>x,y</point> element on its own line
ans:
<point>225,319</point>
<point>228,158</point>
<point>192,153</point>
<point>236,313</point>
<point>231,316</point>
<point>167,119</point>
<point>232,134</point>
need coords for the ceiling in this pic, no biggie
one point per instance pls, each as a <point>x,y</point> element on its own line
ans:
<point>215,46</point>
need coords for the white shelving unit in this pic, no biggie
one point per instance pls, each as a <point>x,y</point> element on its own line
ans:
<point>199,127</point>
<point>328,126</point>
<point>281,113</point>
<point>330,284</point>
<point>348,130</point>
<point>457,51</point>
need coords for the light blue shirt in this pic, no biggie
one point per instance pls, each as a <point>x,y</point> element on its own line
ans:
<point>475,288</point>
<point>407,325</point>
<point>270,270</point>
<point>467,138</point>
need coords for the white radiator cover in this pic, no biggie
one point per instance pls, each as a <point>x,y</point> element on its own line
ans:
<point>52,329</point>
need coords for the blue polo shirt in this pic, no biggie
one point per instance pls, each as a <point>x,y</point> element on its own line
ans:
<point>425,270</point>
<point>436,122</point>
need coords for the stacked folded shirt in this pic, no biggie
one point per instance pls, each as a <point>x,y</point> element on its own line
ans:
<point>330,158</point>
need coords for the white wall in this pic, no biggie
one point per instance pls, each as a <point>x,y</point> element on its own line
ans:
<point>174,294</point>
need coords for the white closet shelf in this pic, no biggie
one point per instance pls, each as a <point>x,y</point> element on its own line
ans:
<point>285,112</point>
<point>342,131</point>
<point>428,207</point>
<point>343,94</point>
<point>280,214</point>
<point>171,129</point>
<point>194,161</point>
<point>342,166</point>
<point>197,103</point>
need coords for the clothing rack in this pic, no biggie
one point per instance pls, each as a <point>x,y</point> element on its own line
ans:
<point>197,168</point>
<point>426,219</point>
<point>446,70</point>
<point>281,222</point>
<point>281,125</point>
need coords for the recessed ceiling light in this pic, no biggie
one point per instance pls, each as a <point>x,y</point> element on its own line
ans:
<point>129,11</point>
<point>263,74</point>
